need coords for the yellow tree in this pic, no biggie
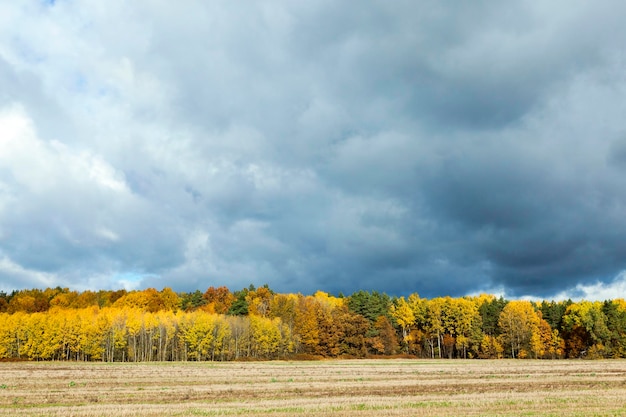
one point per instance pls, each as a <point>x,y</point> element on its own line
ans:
<point>306,326</point>
<point>434,324</point>
<point>5,336</point>
<point>490,347</point>
<point>449,317</point>
<point>133,329</point>
<point>545,342</point>
<point>134,300</point>
<point>284,306</point>
<point>237,341</point>
<point>149,300</point>
<point>287,342</point>
<point>403,314</point>
<point>467,324</point>
<point>149,335</point>
<point>518,322</point>
<point>64,299</point>
<point>266,336</point>
<point>328,301</point>
<point>221,336</point>
<point>169,299</point>
<point>85,299</point>
<point>116,341</point>
<point>259,301</point>
<point>417,335</point>
<point>93,330</point>
<point>35,331</point>
<point>22,302</point>
<point>198,333</point>
<point>12,334</point>
<point>52,338</point>
<point>72,336</point>
<point>64,318</point>
<point>167,327</point>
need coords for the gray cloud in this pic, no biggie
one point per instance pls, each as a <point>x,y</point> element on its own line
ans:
<point>399,147</point>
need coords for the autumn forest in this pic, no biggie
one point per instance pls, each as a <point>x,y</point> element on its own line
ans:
<point>258,323</point>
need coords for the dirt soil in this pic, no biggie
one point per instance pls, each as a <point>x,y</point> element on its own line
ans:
<point>399,387</point>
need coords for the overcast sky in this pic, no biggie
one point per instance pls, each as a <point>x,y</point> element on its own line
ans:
<point>443,148</point>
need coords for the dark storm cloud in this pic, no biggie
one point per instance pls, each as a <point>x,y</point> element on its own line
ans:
<point>396,146</point>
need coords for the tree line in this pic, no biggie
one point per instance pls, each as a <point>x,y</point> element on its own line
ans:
<point>258,323</point>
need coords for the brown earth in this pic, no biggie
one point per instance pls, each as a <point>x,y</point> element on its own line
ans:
<point>399,387</point>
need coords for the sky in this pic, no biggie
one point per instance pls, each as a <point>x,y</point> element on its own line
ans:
<point>430,147</point>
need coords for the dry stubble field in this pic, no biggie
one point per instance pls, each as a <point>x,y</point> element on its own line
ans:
<point>335,387</point>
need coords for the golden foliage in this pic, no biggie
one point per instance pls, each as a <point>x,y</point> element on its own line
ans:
<point>150,325</point>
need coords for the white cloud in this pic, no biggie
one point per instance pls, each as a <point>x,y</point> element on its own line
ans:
<point>44,167</point>
<point>68,211</point>
<point>108,234</point>
<point>600,291</point>
<point>15,276</point>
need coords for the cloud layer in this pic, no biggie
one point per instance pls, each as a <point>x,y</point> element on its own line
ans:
<point>400,147</point>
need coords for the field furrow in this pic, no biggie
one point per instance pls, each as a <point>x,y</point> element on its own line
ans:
<point>338,387</point>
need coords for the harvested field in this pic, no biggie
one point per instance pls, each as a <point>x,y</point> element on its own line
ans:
<point>317,388</point>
